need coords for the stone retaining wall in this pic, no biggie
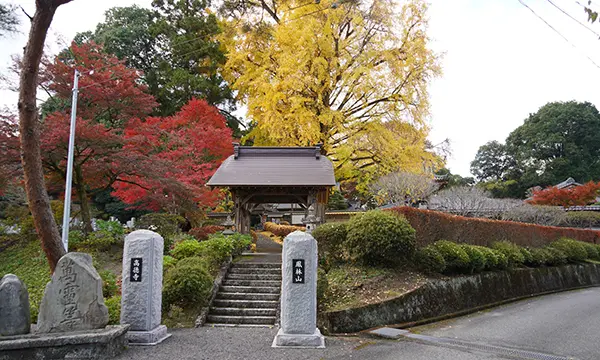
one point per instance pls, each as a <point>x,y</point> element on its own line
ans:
<point>446,298</point>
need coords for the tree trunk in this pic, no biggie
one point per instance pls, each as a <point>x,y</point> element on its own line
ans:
<point>29,127</point>
<point>86,216</point>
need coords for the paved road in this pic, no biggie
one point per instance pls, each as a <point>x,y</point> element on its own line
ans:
<point>565,324</point>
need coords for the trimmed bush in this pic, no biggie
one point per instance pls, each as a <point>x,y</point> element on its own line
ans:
<point>574,250</point>
<point>430,260</point>
<point>476,258</point>
<point>114,309</point>
<point>457,260</point>
<point>583,219</point>
<point>378,237</point>
<point>491,259</point>
<point>592,250</point>
<point>168,263</point>
<point>527,257</point>
<point>556,257</point>
<point>512,252</point>
<point>282,230</point>
<point>539,257</point>
<point>502,262</point>
<point>432,226</point>
<point>331,238</point>
<point>186,248</point>
<point>187,284</point>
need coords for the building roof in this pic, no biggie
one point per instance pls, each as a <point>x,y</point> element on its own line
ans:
<point>569,182</point>
<point>274,166</point>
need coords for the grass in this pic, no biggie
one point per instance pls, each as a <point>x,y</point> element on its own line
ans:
<point>352,285</point>
<point>27,260</point>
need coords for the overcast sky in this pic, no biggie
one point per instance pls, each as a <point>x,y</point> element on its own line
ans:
<point>500,63</point>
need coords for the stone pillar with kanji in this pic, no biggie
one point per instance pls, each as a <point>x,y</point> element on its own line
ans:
<point>141,299</point>
<point>299,294</point>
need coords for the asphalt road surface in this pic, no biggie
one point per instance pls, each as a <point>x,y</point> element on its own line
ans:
<point>552,327</point>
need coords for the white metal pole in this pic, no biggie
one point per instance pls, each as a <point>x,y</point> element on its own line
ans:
<point>68,183</point>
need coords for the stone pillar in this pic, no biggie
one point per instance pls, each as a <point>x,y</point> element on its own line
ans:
<point>14,307</point>
<point>141,299</point>
<point>299,293</point>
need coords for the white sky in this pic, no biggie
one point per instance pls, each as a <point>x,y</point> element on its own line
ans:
<point>500,63</point>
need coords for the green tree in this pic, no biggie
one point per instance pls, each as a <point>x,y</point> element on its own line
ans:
<point>454,179</point>
<point>492,162</point>
<point>337,201</point>
<point>8,19</point>
<point>560,140</point>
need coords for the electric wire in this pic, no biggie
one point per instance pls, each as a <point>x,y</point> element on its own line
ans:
<point>559,33</point>
<point>574,19</point>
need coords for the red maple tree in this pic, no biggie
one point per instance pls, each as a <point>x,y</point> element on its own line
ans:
<point>566,197</point>
<point>108,98</point>
<point>180,153</point>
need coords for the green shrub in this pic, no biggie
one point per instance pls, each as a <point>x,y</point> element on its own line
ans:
<point>186,248</point>
<point>322,288</point>
<point>168,263</point>
<point>215,251</point>
<point>164,224</point>
<point>539,257</point>
<point>476,258</point>
<point>239,241</point>
<point>502,262</point>
<point>583,219</point>
<point>527,257</point>
<point>114,310</point>
<point>511,251</point>
<point>457,260</point>
<point>187,284</point>
<point>556,257</point>
<point>592,250</point>
<point>430,260</point>
<point>109,284</point>
<point>377,237</point>
<point>114,228</point>
<point>331,238</point>
<point>76,239</point>
<point>491,260</point>
<point>172,240</point>
<point>574,250</point>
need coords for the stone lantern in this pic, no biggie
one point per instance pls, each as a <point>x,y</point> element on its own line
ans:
<point>229,224</point>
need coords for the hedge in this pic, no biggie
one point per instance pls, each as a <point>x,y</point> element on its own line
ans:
<point>282,230</point>
<point>432,226</point>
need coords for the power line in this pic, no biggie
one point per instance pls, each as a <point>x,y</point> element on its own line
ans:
<point>574,19</point>
<point>559,33</point>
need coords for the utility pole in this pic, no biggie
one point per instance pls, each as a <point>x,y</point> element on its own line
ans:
<point>68,183</point>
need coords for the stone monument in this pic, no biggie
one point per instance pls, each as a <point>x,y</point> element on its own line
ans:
<point>73,298</point>
<point>141,299</point>
<point>299,294</point>
<point>14,307</point>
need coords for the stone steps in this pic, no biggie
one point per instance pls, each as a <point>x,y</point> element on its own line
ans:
<point>250,270</point>
<point>248,296</point>
<point>259,304</point>
<point>257,283</point>
<point>255,320</point>
<point>243,311</point>
<point>251,289</point>
<point>276,277</point>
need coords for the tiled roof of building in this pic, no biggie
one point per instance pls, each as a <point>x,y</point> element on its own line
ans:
<point>274,166</point>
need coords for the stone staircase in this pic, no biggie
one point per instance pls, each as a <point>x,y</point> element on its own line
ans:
<point>248,296</point>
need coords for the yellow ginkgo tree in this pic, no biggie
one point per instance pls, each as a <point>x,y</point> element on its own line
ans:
<point>353,76</point>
